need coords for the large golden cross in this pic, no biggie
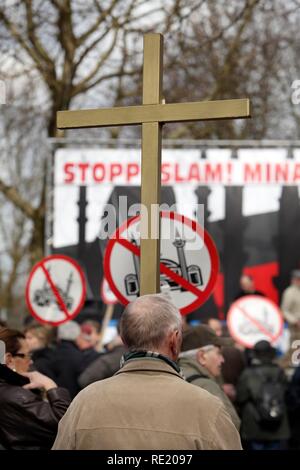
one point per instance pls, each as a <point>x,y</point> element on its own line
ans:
<point>152,114</point>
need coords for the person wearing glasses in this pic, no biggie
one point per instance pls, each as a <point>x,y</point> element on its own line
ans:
<point>31,403</point>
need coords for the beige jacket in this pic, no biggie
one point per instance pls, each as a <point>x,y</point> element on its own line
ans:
<point>146,405</point>
<point>290,304</point>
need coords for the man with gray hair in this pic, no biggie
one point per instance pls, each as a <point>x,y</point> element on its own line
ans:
<point>147,404</point>
<point>68,359</point>
<point>201,360</point>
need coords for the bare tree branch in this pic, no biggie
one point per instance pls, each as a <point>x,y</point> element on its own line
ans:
<point>103,15</point>
<point>83,84</point>
<point>13,195</point>
<point>230,59</point>
<point>45,68</point>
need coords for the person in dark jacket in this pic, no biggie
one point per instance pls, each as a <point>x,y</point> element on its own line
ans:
<point>261,399</point>
<point>38,338</point>
<point>27,420</point>
<point>293,404</point>
<point>232,367</point>
<point>106,365</point>
<point>69,360</point>
<point>88,340</point>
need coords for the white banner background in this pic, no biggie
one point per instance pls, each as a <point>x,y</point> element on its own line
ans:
<point>261,171</point>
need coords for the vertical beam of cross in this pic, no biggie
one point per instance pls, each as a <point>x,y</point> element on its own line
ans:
<point>151,168</point>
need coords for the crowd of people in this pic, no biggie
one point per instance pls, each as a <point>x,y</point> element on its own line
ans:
<point>159,384</point>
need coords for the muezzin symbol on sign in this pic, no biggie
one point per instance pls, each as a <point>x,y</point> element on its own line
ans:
<point>44,297</point>
<point>191,273</point>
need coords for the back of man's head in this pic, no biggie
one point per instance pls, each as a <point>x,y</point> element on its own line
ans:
<point>296,277</point>
<point>264,351</point>
<point>68,331</point>
<point>147,321</point>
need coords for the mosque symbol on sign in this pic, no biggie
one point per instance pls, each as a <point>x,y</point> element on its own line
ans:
<point>44,296</point>
<point>191,273</point>
<point>248,328</point>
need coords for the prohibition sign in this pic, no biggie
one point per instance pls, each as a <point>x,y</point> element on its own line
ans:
<point>253,318</point>
<point>56,290</point>
<point>189,267</point>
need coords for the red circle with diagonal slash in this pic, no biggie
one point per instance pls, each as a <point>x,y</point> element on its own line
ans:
<point>236,306</point>
<point>202,296</point>
<point>41,264</point>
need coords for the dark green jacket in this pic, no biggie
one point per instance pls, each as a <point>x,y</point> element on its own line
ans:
<point>190,366</point>
<point>248,388</point>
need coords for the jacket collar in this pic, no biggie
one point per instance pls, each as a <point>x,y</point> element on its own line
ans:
<point>148,364</point>
<point>194,364</point>
<point>137,354</point>
<point>10,377</point>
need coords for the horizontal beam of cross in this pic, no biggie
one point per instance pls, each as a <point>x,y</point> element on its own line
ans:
<point>134,115</point>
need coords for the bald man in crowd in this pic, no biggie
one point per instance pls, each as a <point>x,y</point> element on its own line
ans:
<point>147,404</point>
